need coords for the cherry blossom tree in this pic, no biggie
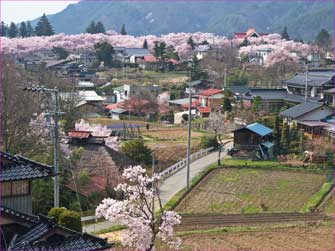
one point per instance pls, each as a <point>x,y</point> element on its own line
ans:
<point>137,213</point>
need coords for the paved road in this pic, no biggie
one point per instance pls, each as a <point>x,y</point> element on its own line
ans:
<point>177,181</point>
<point>171,185</point>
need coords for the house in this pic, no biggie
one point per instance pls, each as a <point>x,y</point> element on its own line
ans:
<point>117,113</point>
<point>261,56</point>
<point>251,32</point>
<point>211,99</point>
<point>132,55</point>
<point>308,111</point>
<point>46,54</point>
<point>127,91</point>
<point>272,100</point>
<point>21,230</point>
<point>88,58</point>
<point>178,116</point>
<point>197,87</point>
<point>329,96</point>
<point>16,178</point>
<point>181,104</point>
<point>79,137</point>
<point>254,138</point>
<point>318,80</point>
<point>201,51</point>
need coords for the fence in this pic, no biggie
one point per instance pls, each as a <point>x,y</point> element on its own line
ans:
<point>181,164</point>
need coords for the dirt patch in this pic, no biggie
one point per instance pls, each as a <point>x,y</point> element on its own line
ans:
<point>297,238</point>
<point>233,190</point>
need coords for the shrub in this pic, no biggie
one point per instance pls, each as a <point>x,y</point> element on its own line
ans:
<point>136,150</point>
<point>56,212</point>
<point>84,178</point>
<point>71,220</point>
<point>207,142</point>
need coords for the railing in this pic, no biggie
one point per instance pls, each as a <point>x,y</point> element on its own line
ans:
<point>181,164</point>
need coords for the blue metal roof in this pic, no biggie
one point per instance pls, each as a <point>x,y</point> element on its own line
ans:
<point>259,129</point>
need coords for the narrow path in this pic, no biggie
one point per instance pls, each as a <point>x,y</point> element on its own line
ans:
<point>171,185</point>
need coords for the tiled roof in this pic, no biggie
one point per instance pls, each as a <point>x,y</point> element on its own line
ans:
<point>14,167</point>
<point>150,59</point>
<point>315,78</point>
<point>301,109</point>
<point>210,92</point>
<point>67,239</point>
<point>266,94</point>
<point>5,211</point>
<point>137,52</point>
<point>204,109</point>
<point>79,134</point>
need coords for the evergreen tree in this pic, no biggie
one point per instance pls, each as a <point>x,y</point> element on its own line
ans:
<point>244,43</point>
<point>104,53</point>
<point>157,49</point>
<point>3,29</point>
<point>191,43</point>
<point>162,48</point>
<point>226,106</point>
<point>91,28</point>
<point>12,30</point>
<point>123,30</point>
<point>205,42</point>
<point>145,44</point>
<point>284,34</point>
<point>43,27</point>
<point>196,72</point>
<point>23,29</point>
<point>284,138</point>
<point>30,30</point>
<point>99,28</point>
<point>170,53</point>
<point>61,52</point>
<point>323,39</point>
<point>256,103</point>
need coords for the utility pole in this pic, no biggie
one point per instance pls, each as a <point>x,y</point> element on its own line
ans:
<point>306,83</point>
<point>56,112</point>
<point>225,78</point>
<point>188,160</point>
<point>153,183</point>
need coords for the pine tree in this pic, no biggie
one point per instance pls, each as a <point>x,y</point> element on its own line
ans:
<point>3,29</point>
<point>123,30</point>
<point>226,106</point>
<point>91,28</point>
<point>323,39</point>
<point>284,34</point>
<point>196,72</point>
<point>145,44</point>
<point>23,29</point>
<point>12,30</point>
<point>191,43</point>
<point>99,28</point>
<point>301,137</point>
<point>284,138</point>
<point>30,30</point>
<point>162,48</point>
<point>104,53</point>
<point>43,27</point>
<point>157,49</point>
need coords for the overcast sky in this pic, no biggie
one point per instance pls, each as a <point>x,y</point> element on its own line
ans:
<point>18,11</point>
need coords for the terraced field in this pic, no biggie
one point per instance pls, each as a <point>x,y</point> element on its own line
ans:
<point>232,190</point>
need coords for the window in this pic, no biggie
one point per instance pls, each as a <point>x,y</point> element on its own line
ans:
<point>20,187</point>
<point>6,189</point>
<point>15,188</point>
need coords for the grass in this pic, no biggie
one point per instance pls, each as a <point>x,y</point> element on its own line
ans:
<point>317,198</point>
<point>110,229</point>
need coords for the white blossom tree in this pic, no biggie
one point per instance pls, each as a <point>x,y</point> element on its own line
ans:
<point>137,212</point>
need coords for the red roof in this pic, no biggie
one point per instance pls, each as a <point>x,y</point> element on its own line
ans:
<point>150,59</point>
<point>195,104</point>
<point>210,92</point>
<point>111,106</point>
<point>80,134</point>
<point>204,109</point>
<point>173,61</point>
<point>239,35</point>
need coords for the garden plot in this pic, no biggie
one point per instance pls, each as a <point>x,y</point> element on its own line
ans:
<point>233,190</point>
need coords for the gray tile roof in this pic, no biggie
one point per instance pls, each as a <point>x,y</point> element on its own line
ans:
<point>67,239</point>
<point>137,52</point>
<point>266,94</point>
<point>301,109</point>
<point>8,212</point>
<point>14,167</point>
<point>315,78</point>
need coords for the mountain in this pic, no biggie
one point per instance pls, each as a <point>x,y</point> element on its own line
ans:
<point>303,19</point>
